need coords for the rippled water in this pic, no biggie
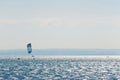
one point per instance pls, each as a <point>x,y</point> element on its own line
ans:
<point>59,69</point>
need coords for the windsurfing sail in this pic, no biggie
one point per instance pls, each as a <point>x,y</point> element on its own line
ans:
<point>29,48</point>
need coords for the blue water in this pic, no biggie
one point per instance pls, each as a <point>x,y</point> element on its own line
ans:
<point>62,52</point>
<point>59,69</point>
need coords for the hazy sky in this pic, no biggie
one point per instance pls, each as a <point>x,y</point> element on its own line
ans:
<point>60,24</point>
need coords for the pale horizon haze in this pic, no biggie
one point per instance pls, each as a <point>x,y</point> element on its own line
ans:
<point>60,24</point>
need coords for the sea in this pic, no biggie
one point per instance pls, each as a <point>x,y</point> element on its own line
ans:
<point>59,67</point>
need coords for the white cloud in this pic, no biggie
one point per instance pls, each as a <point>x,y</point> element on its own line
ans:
<point>70,22</point>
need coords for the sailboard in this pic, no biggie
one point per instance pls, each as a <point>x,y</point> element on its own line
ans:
<point>29,48</point>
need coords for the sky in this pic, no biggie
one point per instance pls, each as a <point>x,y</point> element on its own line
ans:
<point>60,24</point>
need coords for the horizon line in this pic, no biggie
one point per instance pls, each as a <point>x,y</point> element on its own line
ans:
<point>66,49</point>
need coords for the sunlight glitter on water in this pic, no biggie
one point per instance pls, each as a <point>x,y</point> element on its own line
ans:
<point>60,68</point>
